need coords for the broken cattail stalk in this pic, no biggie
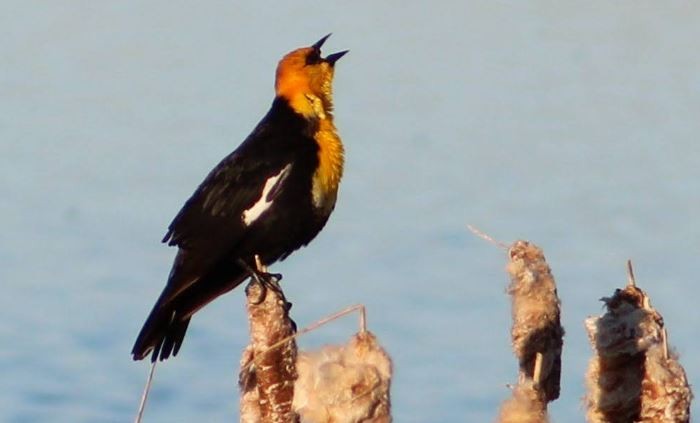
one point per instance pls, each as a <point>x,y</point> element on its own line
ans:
<point>144,396</point>
<point>267,376</point>
<point>537,335</point>
<point>633,376</point>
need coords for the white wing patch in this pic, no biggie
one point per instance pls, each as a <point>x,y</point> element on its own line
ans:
<point>272,185</point>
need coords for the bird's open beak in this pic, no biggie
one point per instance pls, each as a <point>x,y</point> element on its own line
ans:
<point>332,58</point>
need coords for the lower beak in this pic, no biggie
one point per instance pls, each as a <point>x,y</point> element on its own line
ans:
<point>332,58</point>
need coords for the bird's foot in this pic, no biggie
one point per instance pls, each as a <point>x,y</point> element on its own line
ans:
<point>272,280</point>
<point>264,280</point>
<point>269,281</point>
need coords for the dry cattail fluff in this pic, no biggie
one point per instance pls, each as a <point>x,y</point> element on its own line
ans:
<point>344,384</point>
<point>633,377</point>
<point>536,318</point>
<point>250,400</point>
<point>525,406</point>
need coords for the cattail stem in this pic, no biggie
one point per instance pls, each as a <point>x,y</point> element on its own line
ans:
<point>267,377</point>
<point>537,335</point>
<point>537,332</point>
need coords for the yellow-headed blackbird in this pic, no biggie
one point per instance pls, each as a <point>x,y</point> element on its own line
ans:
<point>269,197</point>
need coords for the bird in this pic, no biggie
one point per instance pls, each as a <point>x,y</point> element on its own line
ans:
<point>271,196</point>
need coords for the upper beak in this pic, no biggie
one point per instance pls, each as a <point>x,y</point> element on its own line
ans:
<point>332,58</point>
<point>317,45</point>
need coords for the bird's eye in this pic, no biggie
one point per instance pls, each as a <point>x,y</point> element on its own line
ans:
<point>314,57</point>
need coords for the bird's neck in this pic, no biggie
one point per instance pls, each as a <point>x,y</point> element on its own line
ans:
<point>310,105</point>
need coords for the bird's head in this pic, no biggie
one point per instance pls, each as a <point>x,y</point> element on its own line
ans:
<point>304,79</point>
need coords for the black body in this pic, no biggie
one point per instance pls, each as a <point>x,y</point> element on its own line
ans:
<point>211,234</point>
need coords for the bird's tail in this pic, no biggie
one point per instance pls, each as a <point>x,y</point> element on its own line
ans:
<point>161,335</point>
<point>165,327</point>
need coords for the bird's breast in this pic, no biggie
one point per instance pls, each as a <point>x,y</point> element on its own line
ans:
<point>326,178</point>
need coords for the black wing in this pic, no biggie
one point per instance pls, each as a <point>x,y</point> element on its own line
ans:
<point>210,224</point>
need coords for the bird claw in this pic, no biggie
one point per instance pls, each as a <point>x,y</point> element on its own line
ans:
<point>260,297</point>
<point>272,279</point>
<point>265,281</point>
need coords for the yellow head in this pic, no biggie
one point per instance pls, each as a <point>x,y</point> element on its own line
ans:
<point>305,79</point>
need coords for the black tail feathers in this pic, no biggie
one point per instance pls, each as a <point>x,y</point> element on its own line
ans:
<point>164,330</point>
<point>161,335</point>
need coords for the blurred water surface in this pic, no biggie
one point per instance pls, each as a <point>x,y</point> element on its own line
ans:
<point>574,126</point>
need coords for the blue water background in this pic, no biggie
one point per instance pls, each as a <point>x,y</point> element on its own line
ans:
<point>572,125</point>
